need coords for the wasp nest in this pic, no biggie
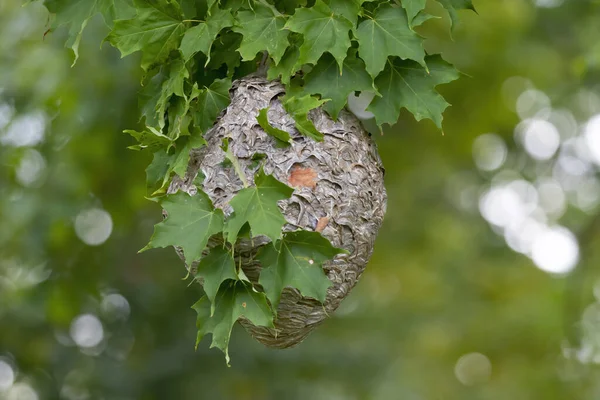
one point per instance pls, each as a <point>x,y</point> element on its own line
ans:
<point>339,192</point>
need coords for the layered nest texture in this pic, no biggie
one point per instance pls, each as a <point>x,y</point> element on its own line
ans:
<point>339,191</point>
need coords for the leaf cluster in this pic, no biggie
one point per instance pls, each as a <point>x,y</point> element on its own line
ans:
<point>292,259</point>
<point>322,51</point>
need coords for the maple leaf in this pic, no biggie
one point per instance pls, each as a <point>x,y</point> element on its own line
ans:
<point>75,14</point>
<point>323,31</point>
<point>209,103</point>
<point>421,18</point>
<point>286,67</point>
<point>158,171</point>
<point>181,157</point>
<point>262,29</point>
<point>289,6</point>
<point>257,205</point>
<point>388,34</point>
<point>349,9</point>
<point>407,84</point>
<point>164,163</point>
<point>278,134</point>
<point>173,85</point>
<point>156,30</point>
<point>233,300</point>
<point>298,107</point>
<point>201,37</point>
<point>326,80</point>
<point>215,268</point>
<point>191,221</point>
<point>452,6</point>
<point>224,51</point>
<point>150,138</point>
<point>413,8</point>
<point>296,261</point>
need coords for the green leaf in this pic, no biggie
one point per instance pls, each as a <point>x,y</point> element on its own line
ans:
<point>210,3</point>
<point>289,6</point>
<point>263,121</point>
<point>296,261</point>
<point>149,97</point>
<point>413,8</point>
<point>182,153</point>
<point>191,221</point>
<point>326,80</point>
<point>210,102</point>
<point>298,108</point>
<point>173,85</point>
<point>179,118</point>
<point>349,9</point>
<point>234,299</point>
<point>421,18</point>
<point>156,30</point>
<point>452,6</point>
<point>150,138</point>
<point>306,127</point>
<point>286,67</point>
<point>407,84</point>
<point>323,31</point>
<point>201,37</point>
<point>215,268</point>
<point>158,172</point>
<point>263,30</point>
<point>75,14</point>
<point>163,164</point>
<point>224,51</point>
<point>120,9</point>
<point>257,205</point>
<point>388,34</point>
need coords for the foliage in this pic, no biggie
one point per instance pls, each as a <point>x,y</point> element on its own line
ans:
<point>296,260</point>
<point>323,52</point>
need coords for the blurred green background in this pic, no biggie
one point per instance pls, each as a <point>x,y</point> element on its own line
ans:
<point>483,284</point>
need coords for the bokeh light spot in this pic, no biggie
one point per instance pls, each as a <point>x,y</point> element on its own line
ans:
<point>358,104</point>
<point>87,331</point>
<point>114,307</point>
<point>540,138</point>
<point>592,137</point>
<point>6,113</point>
<point>472,369</point>
<point>22,391</point>
<point>30,169</point>
<point>501,206</point>
<point>555,250</point>
<point>25,130</point>
<point>548,3</point>
<point>7,375</point>
<point>533,103</point>
<point>489,152</point>
<point>93,226</point>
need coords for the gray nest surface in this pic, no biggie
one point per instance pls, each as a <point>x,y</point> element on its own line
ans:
<point>339,191</point>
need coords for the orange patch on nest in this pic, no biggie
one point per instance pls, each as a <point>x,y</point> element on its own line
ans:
<point>321,224</point>
<point>303,177</point>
